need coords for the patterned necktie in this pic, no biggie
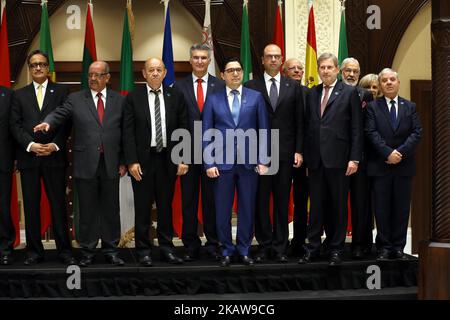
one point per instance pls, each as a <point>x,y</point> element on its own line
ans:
<point>159,138</point>
<point>200,97</point>
<point>393,114</point>
<point>323,105</point>
<point>273,94</point>
<point>40,98</point>
<point>235,107</point>
<point>100,107</point>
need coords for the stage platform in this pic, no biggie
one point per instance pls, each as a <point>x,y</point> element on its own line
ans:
<point>207,280</point>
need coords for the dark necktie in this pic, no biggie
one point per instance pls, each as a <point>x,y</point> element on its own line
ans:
<point>323,105</point>
<point>159,138</point>
<point>100,107</point>
<point>235,107</point>
<point>393,114</point>
<point>273,94</point>
<point>200,98</point>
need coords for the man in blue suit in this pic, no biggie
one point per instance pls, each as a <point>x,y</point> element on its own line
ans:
<point>195,88</point>
<point>239,113</point>
<point>394,131</point>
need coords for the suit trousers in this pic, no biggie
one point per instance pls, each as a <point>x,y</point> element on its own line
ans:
<point>301,194</point>
<point>190,190</point>
<point>246,183</point>
<point>99,212</point>
<point>360,197</point>
<point>55,187</point>
<point>392,198</point>
<point>276,236</point>
<point>328,193</point>
<point>156,185</point>
<point>7,231</point>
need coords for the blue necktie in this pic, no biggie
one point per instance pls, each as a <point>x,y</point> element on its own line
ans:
<point>393,114</point>
<point>235,107</point>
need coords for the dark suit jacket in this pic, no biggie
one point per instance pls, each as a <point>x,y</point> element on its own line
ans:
<point>385,138</point>
<point>25,115</point>
<point>288,115</point>
<point>6,140</point>
<point>366,97</point>
<point>336,138</point>
<point>252,115</point>
<point>137,125</point>
<point>89,136</point>
<point>186,87</point>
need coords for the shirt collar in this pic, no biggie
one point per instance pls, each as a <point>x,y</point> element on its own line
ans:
<point>44,84</point>
<point>388,101</point>
<point>150,89</point>
<point>238,89</point>
<point>204,78</point>
<point>94,93</point>
<point>267,77</point>
<point>332,85</point>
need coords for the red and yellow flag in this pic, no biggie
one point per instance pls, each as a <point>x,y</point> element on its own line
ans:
<point>311,74</point>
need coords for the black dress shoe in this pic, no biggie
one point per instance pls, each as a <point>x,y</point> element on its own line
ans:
<point>281,258</point>
<point>171,258</point>
<point>32,261</point>
<point>383,255</point>
<point>115,260</point>
<point>86,261</point>
<point>225,261</point>
<point>306,258</point>
<point>190,256</point>
<point>399,255</point>
<point>247,260</point>
<point>335,259</point>
<point>358,254</point>
<point>146,261</point>
<point>212,254</point>
<point>68,260</point>
<point>260,257</point>
<point>6,260</point>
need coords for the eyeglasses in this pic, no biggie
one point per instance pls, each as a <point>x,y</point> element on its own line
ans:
<point>272,56</point>
<point>233,70</point>
<point>38,64</point>
<point>97,75</point>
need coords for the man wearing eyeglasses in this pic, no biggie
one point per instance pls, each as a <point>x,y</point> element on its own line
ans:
<point>233,163</point>
<point>284,103</point>
<point>96,115</point>
<point>196,88</point>
<point>41,158</point>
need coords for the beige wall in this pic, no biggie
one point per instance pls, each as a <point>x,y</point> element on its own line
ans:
<point>108,25</point>
<point>413,57</point>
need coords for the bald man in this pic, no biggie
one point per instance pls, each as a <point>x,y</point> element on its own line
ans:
<point>152,113</point>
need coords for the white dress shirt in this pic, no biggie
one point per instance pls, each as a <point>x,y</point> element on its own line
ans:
<point>204,85</point>
<point>268,81</point>
<point>94,96</point>
<point>231,97</point>
<point>162,109</point>
<point>329,91</point>
<point>388,101</point>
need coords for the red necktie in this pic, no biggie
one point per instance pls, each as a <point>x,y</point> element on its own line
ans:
<point>100,107</point>
<point>323,105</point>
<point>200,99</point>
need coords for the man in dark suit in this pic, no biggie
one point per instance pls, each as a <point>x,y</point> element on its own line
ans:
<point>394,131</point>
<point>360,190</point>
<point>284,103</point>
<point>196,88</point>
<point>41,157</point>
<point>233,162</point>
<point>293,68</point>
<point>333,147</point>
<point>7,232</point>
<point>97,147</point>
<point>152,113</point>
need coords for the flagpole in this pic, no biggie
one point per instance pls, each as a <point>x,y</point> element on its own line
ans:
<point>3,7</point>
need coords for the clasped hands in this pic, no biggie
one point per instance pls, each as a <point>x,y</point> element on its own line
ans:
<point>394,158</point>
<point>43,149</point>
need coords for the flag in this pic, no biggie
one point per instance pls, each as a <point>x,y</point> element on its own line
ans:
<point>167,53</point>
<point>45,45</point>
<point>311,74</point>
<point>278,34</point>
<point>126,56</point>
<point>207,37</point>
<point>5,81</point>
<point>343,49</point>
<point>246,56</point>
<point>45,40</point>
<point>89,51</point>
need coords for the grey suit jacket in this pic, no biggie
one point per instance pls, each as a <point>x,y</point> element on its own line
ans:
<point>89,136</point>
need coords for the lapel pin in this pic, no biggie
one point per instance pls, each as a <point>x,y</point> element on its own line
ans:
<point>51,90</point>
<point>336,93</point>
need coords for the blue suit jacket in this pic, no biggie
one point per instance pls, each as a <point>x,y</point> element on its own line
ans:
<point>217,115</point>
<point>384,138</point>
